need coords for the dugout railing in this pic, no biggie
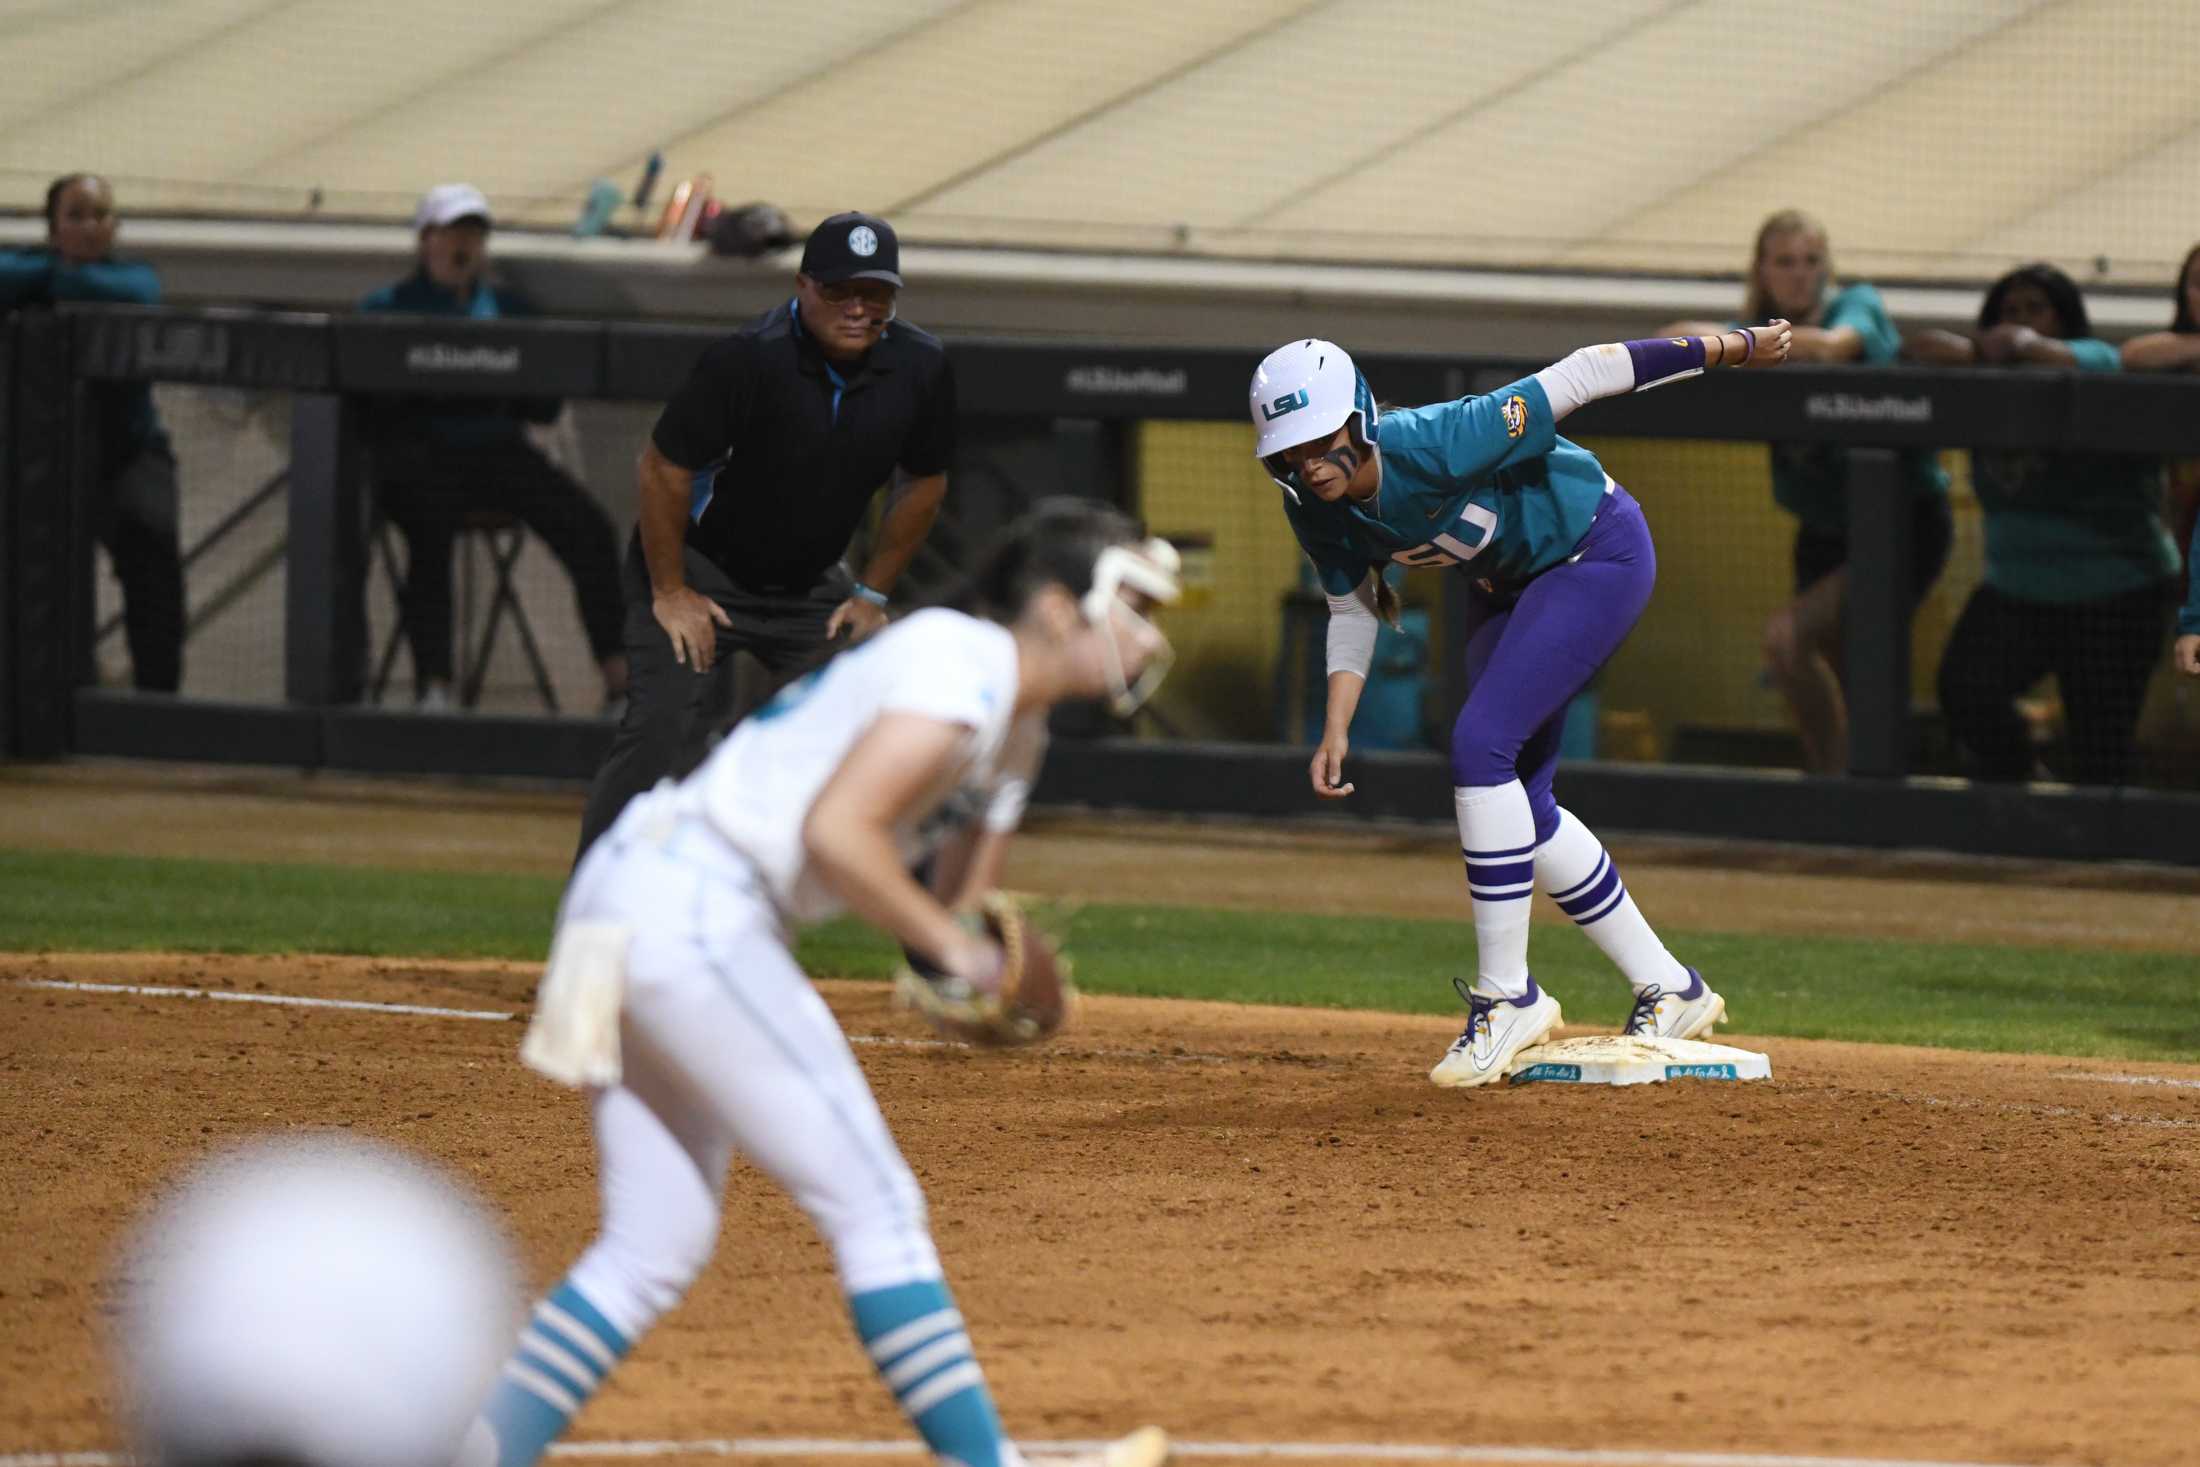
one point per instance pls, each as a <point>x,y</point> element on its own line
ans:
<point>1066,408</point>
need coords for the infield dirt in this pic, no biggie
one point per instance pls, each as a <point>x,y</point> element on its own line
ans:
<point>1248,1224</point>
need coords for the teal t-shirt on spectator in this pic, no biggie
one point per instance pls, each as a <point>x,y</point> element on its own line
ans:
<point>38,276</point>
<point>1811,480</point>
<point>454,422</point>
<point>2065,527</point>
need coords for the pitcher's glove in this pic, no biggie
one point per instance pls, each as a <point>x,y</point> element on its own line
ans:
<point>1029,1001</point>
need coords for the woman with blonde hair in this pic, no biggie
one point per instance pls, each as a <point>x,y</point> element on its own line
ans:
<point>1791,278</point>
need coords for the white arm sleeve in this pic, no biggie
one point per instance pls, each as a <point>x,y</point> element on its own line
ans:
<point>1586,375</point>
<point>1351,634</point>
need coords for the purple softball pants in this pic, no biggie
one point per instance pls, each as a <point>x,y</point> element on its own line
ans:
<point>1526,661</point>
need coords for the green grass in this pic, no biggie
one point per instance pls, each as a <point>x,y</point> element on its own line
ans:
<point>2026,999</point>
<point>130,903</point>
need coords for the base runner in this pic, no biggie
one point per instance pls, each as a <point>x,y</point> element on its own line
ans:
<point>1563,566</point>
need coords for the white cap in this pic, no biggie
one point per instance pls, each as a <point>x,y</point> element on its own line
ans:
<point>447,203</point>
<point>314,1299</point>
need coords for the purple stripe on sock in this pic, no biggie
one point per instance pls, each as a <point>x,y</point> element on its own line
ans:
<point>1501,873</point>
<point>1512,855</point>
<point>1577,907</point>
<point>1499,896</point>
<point>1604,864</point>
<point>1606,910</point>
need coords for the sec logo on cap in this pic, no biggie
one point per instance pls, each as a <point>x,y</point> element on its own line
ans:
<point>862,241</point>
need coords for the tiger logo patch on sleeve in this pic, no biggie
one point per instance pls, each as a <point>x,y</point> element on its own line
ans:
<point>1515,412</point>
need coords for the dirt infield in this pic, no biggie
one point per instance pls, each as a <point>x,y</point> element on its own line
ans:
<point>1253,1225</point>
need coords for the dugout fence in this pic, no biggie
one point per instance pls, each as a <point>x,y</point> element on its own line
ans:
<point>290,609</point>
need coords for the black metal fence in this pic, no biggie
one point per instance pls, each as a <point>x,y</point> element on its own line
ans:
<point>1157,430</point>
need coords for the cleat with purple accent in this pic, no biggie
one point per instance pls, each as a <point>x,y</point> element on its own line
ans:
<point>1498,1029</point>
<point>1689,1013</point>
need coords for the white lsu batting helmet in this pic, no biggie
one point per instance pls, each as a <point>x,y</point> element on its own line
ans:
<point>1303,391</point>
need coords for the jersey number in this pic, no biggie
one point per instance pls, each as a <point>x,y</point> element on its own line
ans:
<point>1448,549</point>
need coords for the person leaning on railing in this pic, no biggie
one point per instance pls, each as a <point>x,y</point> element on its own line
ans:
<point>133,508</point>
<point>2178,350</point>
<point>2077,560</point>
<point>440,462</point>
<point>1791,277</point>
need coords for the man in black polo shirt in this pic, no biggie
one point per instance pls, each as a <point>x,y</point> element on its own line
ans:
<point>758,473</point>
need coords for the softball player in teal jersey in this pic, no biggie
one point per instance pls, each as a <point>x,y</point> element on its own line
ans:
<point>1563,566</point>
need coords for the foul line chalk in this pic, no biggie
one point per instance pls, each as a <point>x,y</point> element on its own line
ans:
<point>360,1005</point>
<point>288,1000</point>
<point>1239,1451</point>
<point>2173,1083</point>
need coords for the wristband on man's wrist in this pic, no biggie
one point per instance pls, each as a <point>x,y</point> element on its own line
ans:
<point>865,593</point>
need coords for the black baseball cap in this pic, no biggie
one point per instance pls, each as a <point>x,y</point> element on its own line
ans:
<point>853,246</point>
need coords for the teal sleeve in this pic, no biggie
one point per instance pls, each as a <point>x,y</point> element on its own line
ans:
<point>25,275</point>
<point>383,298</point>
<point>1339,575</point>
<point>2095,356</point>
<point>115,281</point>
<point>1474,435</point>
<point>1860,308</point>
<point>2188,616</point>
<point>1339,568</point>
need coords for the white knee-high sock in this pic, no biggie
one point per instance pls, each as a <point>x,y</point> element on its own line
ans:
<point>1574,868</point>
<point>1497,836</point>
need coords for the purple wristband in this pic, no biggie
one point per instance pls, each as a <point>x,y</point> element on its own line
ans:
<point>1666,359</point>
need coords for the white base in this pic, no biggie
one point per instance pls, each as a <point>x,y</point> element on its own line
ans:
<point>1612,1059</point>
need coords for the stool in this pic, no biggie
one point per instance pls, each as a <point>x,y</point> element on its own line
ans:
<point>485,537</point>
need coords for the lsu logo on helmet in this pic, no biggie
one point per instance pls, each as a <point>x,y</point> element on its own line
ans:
<point>1290,402</point>
<point>1515,413</point>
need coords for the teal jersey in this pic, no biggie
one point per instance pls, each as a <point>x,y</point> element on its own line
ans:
<point>2064,527</point>
<point>1811,480</point>
<point>1484,482</point>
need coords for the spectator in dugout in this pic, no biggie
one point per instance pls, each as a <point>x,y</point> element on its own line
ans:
<point>2078,564</point>
<point>1791,277</point>
<point>133,482</point>
<point>440,462</point>
<point>2176,350</point>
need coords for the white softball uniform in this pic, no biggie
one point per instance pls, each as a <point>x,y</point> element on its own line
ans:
<point>759,784</point>
<point>725,1045</point>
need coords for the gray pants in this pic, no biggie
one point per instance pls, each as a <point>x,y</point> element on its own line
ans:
<point>674,713</point>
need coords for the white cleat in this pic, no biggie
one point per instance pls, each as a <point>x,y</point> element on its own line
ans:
<point>1498,1029</point>
<point>1146,1447</point>
<point>1689,1013</point>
